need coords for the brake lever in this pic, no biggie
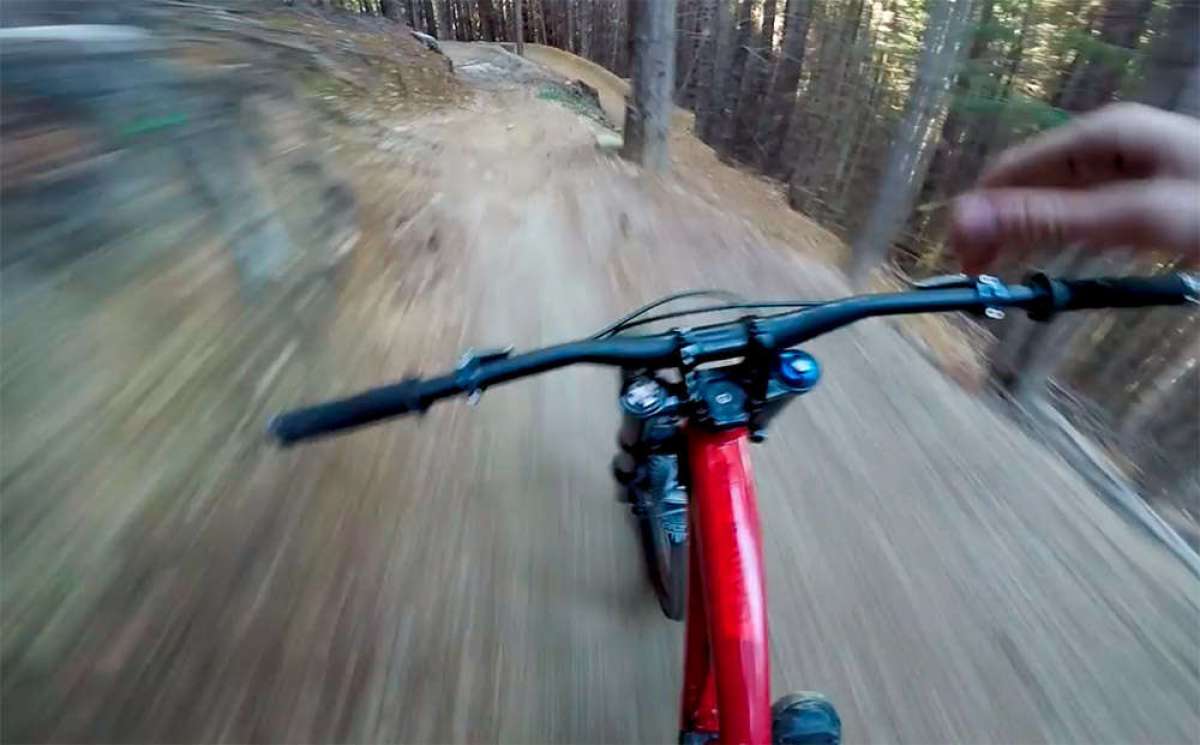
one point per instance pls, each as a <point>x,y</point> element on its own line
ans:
<point>470,366</point>
<point>483,356</point>
<point>943,282</point>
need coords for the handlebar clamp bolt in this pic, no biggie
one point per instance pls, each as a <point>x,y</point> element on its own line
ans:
<point>991,288</point>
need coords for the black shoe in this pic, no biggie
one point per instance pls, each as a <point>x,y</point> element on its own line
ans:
<point>805,719</point>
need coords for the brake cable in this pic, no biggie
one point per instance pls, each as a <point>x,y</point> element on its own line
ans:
<point>633,322</point>
<point>621,322</point>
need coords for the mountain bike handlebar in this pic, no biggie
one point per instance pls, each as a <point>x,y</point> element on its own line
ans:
<point>1040,296</point>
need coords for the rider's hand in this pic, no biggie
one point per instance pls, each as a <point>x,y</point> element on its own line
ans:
<point>1125,176</point>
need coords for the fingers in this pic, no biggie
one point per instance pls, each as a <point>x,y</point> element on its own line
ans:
<point>1160,214</point>
<point>1123,141</point>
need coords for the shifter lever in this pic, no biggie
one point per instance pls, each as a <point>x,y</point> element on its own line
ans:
<point>987,286</point>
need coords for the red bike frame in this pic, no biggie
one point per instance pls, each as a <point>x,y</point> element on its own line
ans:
<point>726,674</point>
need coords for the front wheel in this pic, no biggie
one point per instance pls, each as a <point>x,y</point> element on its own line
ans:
<point>659,503</point>
<point>666,561</point>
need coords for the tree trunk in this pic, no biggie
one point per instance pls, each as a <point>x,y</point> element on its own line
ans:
<point>546,24</point>
<point>818,133</point>
<point>698,68</point>
<point>838,106</point>
<point>443,20</point>
<point>781,94</point>
<point>572,22</point>
<point>1157,396</point>
<point>735,72</point>
<point>708,119</point>
<point>393,10</point>
<point>1033,352</point>
<point>967,142</point>
<point>565,9</point>
<point>684,44</point>
<point>1166,445</point>
<point>1176,341</point>
<point>464,21</point>
<point>539,17</point>
<point>766,31</point>
<point>487,21</point>
<point>518,27</point>
<point>597,32</point>
<point>863,127</point>
<point>943,169</point>
<point>583,19</point>
<point>648,113</point>
<point>908,156</point>
<point>557,23</point>
<point>856,112</point>
<point>978,148</point>
<point>1135,350</point>
<point>756,79</point>
<point>1098,79</point>
<point>805,122</point>
<point>429,17</point>
<point>620,43</point>
<point>1173,61</point>
<point>1045,348</point>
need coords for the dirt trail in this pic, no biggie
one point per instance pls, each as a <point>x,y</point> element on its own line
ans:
<point>468,577</point>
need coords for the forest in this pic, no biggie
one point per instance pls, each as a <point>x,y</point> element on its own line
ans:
<point>872,115</point>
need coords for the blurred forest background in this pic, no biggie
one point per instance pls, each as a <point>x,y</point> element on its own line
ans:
<point>871,115</point>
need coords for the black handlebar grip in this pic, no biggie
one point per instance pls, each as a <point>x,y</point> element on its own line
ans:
<point>334,416</point>
<point>1129,292</point>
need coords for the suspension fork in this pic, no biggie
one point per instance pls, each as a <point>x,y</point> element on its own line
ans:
<point>726,686</point>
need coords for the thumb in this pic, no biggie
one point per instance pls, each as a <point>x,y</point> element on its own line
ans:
<point>1144,215</point>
